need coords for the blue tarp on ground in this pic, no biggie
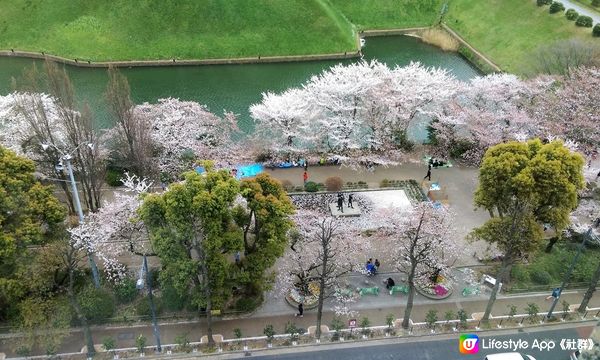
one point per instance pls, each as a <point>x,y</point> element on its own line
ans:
<point>200,169</point>
<point>244,171</point>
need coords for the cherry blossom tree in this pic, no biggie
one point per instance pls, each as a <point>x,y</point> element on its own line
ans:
<point>421,244</point>
<point>351,111</point>
<point>30,118</point>
<point>115,230</point>
<point>486,111</point>
<point>185,131</point>
<point>323,251</point>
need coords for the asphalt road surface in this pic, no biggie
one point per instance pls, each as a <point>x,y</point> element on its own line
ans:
<point>441,349</point>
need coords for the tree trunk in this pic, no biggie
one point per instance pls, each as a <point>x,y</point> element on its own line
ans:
<point>553,240</point>
<point>87,333</point>
<point>409,301</point>
<point>207,294</point>
<point>590,291</point>
<point>321,298</point>
<point>501,275</point>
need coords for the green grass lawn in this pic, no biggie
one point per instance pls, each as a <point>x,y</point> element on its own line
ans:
<point>508,31</point>
<point>389,14</point>
<point>505,30</point>
<point>164,29</point>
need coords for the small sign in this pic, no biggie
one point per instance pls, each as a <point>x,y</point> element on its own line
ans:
<point>215,312</point>
<point>352,323</point>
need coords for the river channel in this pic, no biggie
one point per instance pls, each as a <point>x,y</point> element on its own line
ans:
<point>234,87</point>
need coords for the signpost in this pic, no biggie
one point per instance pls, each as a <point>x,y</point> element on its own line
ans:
<point>351,325</point>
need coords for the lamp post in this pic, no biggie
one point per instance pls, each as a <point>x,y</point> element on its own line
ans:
<point>568,274</point>
<point>66,158</point>
<point>140,285</point>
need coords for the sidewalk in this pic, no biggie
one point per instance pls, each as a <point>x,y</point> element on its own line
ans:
<point>253,325</point>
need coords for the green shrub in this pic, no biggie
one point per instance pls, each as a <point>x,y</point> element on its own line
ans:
<point>96,304</point>
<point>108,343</point>
<point>541,277</point>
<point>596,3</point>
<point>125,291</point>
<point>543,2</point>
<point>519,274</point>
<point>171,299</point>
<point>140,343</point>
<point>364,324</point>
<point>556,7</point>
<point>584,21</point>
<point>384,183</point>
<point>248,303</point>
<point>334,183</point>
<point>142,308</point>
<point>311,186</point>
<point>571,14</point>
<point>269,332</point>
<point>114,176</point>
<point>431,318</point>
<point>458,148</point>
<point>596,30</point>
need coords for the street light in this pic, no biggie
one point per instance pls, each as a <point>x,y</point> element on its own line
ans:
<point>140,285</point>
<point>586,236</point>
<point>66,159</point>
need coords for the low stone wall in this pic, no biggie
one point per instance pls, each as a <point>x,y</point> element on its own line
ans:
<point>175,62</point>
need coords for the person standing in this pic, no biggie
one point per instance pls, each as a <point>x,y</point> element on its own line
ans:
<point>300,310</point>
<point>428,176</point>
<point>305,165</point>
<point>350,197</point>
<point>305,176</point>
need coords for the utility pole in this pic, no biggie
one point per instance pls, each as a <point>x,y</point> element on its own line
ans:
<point>568,274</point>
<point>152,307</point>
<point>67,159</point>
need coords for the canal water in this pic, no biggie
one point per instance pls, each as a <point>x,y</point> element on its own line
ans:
<point>234,87</point>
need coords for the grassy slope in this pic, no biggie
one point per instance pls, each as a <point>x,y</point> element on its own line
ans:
<point>508,31</point>
<point>389,14</point>
<point>163,29</point>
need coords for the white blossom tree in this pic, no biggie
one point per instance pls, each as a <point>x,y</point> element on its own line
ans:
<point>185,131</point>
<point>421,242</point>
<point>324,250</point>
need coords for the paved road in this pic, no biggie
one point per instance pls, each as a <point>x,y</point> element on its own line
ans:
<point>439,349</point>
<point>582,10</point>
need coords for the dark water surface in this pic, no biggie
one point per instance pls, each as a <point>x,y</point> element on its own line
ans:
<point>234,87</point>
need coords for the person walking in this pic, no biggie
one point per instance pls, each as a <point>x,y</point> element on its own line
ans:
<point>428,176</point>
<point>300,310</point>
<point>305,176</point>
<point>350,197</point>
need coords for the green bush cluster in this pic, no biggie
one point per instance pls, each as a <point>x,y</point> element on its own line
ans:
<point>556,7</point>
<point>596,30</point>
<point>171,299</point>
<point>543,269</point>
<point>311,186</point>
<point>248,303</point>
<point>125,291</point>
<point>584,21</point>
<point>114,176</point>
<point>543,2</point>
<point>596,3</point>
<point>572,15</point>
<point>96,304</point>
<point>142,308</point>
<point>541,277</point>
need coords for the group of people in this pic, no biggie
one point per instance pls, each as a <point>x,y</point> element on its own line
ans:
<point>372,267</point>
<point>341,201</point>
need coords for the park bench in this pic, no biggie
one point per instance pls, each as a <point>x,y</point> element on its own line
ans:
<point>346,292</point>
<point>368,291</point>
<point>470,291</point>
<point>403,289</point>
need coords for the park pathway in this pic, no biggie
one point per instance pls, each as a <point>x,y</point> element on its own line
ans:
<point>582,10</point>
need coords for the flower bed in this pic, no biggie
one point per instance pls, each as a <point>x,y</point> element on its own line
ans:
<point>294,297</point>
<point>439,290</point>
